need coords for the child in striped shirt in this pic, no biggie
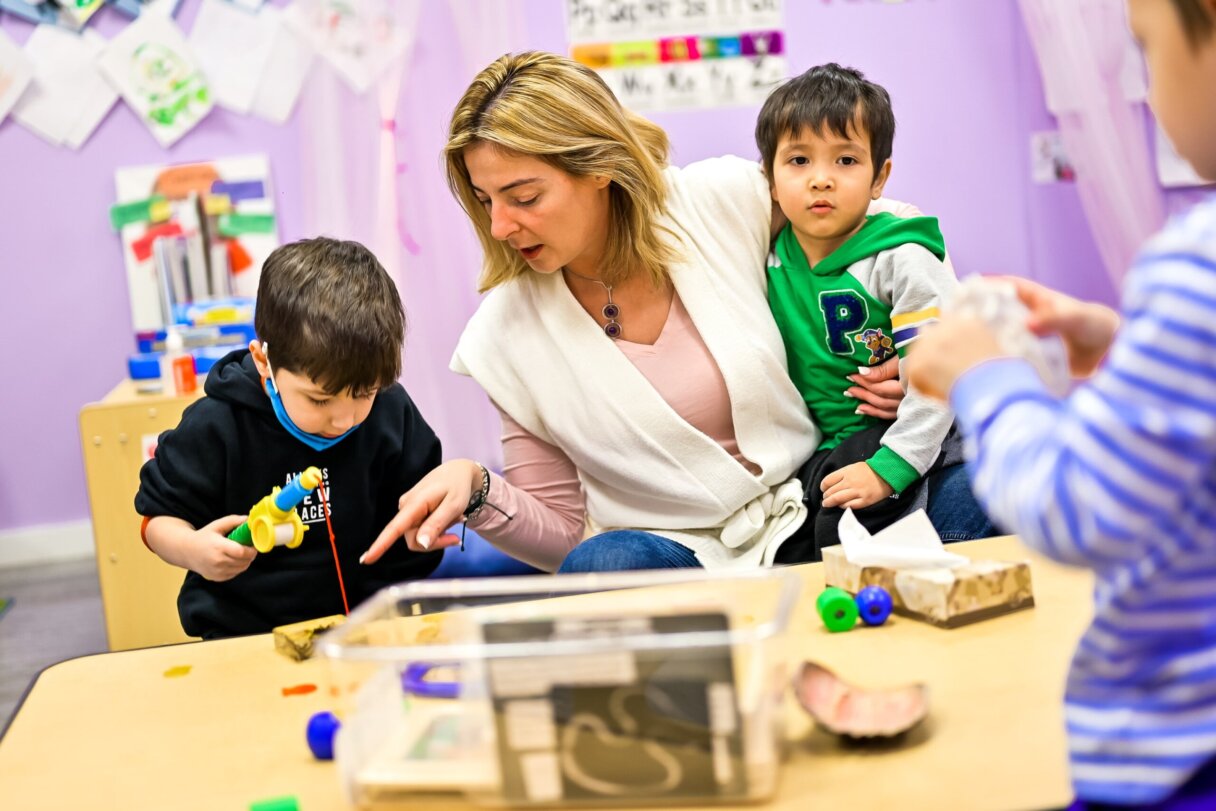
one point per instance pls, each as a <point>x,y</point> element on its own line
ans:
<point>1121,475</point>
<point>849,290</point>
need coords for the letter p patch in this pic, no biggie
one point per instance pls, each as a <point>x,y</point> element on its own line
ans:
<point>844,312</point>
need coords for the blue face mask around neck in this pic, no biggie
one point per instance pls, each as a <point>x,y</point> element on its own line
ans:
<point>314,441</point>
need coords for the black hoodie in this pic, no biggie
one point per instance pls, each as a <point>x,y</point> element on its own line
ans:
<point>229,451</point>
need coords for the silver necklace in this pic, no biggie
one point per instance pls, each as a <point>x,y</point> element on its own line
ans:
<point>611,311</point>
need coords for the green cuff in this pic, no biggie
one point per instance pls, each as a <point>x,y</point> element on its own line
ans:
<point>893,469</point>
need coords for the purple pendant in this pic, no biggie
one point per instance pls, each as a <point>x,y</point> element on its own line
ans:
<point>612,329</point>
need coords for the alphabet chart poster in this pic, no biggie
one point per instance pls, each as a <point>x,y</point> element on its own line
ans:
<point>673,54</point>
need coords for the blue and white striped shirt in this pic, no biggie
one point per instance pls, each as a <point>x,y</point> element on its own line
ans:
<point>1121,477</point>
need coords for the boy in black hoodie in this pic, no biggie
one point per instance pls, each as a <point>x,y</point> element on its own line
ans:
<point>319,388</point>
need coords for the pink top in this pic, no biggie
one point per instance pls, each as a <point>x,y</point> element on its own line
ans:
<point>542,491</point>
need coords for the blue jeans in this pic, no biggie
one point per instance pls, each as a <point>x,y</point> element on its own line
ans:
<point>627,549</point>
<point>955,513</point>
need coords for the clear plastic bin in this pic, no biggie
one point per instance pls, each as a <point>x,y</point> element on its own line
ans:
<point>606,689</point>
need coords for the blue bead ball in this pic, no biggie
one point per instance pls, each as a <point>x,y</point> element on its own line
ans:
<point>322,728</point>
<point>874,605</point>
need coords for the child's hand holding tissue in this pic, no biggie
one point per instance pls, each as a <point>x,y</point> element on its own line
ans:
<point>1086,327</point>
<point>1007,317</point>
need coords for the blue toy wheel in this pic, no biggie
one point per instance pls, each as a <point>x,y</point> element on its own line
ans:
<point>874,605</point>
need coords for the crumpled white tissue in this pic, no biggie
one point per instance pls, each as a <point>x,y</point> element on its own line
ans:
<point>996,303</point>
<point>910,542</point>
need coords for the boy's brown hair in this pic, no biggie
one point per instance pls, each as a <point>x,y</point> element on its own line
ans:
<point>827,97</point>
<point>1196,18</point>
<point>327,309</point>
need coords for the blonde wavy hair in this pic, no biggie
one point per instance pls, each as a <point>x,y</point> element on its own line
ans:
<point>555,109</point>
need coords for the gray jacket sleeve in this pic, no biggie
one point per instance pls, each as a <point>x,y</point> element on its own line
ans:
<point>916,283</point>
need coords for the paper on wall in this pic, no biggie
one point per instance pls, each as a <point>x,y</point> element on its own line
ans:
<point>158,76</point>
<point>360,40</point>
<point>233,47</point>
<point>68,97</point>
<point>245,179</point>
<point>164,8</point>
<point>1049,161</point>
<point>290,61</point>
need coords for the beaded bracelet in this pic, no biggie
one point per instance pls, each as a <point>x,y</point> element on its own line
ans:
<point>478,500</point>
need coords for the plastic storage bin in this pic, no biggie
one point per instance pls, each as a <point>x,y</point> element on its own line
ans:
<point>575,690</point>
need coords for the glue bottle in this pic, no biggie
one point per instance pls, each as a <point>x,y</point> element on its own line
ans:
<point>177,366</point>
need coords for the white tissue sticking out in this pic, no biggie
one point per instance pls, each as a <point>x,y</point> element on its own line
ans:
<point>909,543</point>
<point>996,303</point>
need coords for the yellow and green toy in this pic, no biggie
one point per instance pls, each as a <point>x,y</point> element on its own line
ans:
<point>273,521</point>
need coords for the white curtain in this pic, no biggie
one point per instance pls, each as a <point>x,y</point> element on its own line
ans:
<point>1089,70</point>
<point>372,168</point>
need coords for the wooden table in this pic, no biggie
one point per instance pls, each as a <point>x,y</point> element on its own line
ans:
<point>112,731</point>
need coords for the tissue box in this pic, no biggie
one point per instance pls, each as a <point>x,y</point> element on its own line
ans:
<point>943,597</point>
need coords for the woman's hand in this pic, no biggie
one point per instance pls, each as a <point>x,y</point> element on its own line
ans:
<point>877,389</point>
<point>429,508</point>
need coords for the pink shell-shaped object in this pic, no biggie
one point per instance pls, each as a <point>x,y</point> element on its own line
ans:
<point>843,709</point>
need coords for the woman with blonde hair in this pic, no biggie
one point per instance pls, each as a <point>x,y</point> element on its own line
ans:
<point>626,341</point>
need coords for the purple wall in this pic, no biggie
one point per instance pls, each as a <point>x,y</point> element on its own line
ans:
<point>65,313</point>
<point>961,74</point>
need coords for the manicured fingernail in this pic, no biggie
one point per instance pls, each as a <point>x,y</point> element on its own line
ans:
<point>362,557</point>
<point>847,394</point>
<point>864,371</point>
<point>424,541</point>
<point>857,410</point>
